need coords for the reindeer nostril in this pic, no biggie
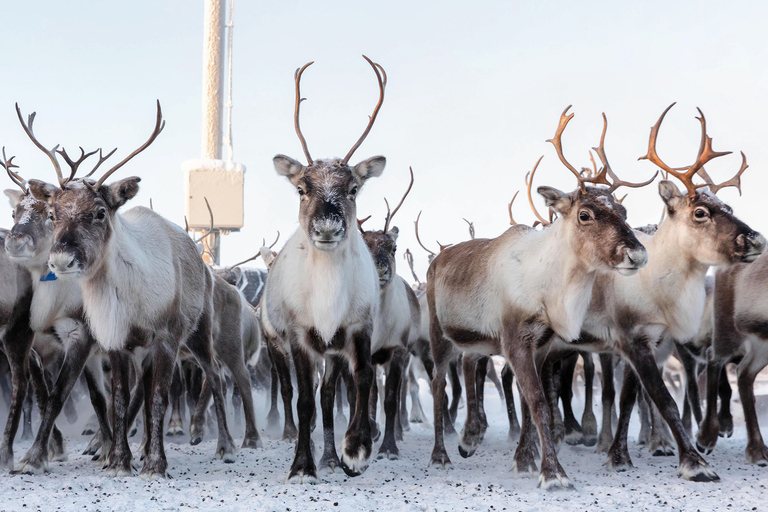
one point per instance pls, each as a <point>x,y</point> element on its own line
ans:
<point>71,263</point>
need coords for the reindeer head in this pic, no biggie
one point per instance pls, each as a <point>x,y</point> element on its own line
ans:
<point>592,218</point>
<point>84,212</point>
<point>704,224</point>
<point>328,188</point>
<point>383,247</point>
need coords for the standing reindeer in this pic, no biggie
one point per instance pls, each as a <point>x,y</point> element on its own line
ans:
<point>56,312</point>
<point>511,295</point>
<point>322,294</point>
<point>145,291</point>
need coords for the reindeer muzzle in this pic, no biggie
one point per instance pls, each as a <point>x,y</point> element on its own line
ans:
<point>19,245</point>
<point>749,246</point>
<point>635,258</point>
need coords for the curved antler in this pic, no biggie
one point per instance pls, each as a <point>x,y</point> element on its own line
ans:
<point>381,77</point>
<point>51,153</point>
<point>471,228</point>
<point>685,174</point>
<point>299,99</point>
<point>7,164</point>
<point>557,142</point>
<point>392,214</point>
<point>210,229</point>
<point>416,225</point>
<point>733,182</point>
<point>528,185</point>
<point>159,125</point>
<point>360,223</point>
<point>73,165</point>
<point>408,256</point>
<point>512,221</point>
<point>102,159</point>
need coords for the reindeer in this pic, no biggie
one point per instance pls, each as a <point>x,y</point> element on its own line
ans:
<point>511,295</point>
<point>145,291</point>
<point>322,294</point>
<point>56,310</point>
<point>666,297</point>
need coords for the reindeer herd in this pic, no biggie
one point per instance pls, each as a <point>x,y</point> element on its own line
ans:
<point>126,300</point>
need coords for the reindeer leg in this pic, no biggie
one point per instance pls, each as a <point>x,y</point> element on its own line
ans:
<point>156,389</point>
<point>507,377</point>
<point>286,389</point>
<point>692,402</point>
<point>692,466</point>
<point>618,454</point>
<point>16,344</point>
<point>197,420</point>
<point>660,444</point>
<point>402,424</point>
<point>588,420</point>
<point>417,411</point>
<point>394,379</point>
<point>242,381</point>
<point>494,378</point>
<point>357,444</point>
<point>473,431</point>
<point>119,460</point>
<point>99,401</point>
<point>756,451</point>
<point>373,402</point>
<point>330,458</point>
<point>273,417</point>
<point>176,423</point>
<point>643,405</point>
<point>340,419</point>
<point>709,429</point>
<point>26,420</point>
<point>605,439</point>
<point>137,399</point>
<point>573,432</point>
<point>453,373</point>
<point>551,385</point>
<point>303,466</point>
<point>79,346</point>
<point>481,372</point>
<point>724,416</point>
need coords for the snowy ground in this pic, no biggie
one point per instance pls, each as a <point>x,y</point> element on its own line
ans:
<point>256,480</point>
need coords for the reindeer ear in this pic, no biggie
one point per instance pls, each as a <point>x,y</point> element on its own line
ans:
<point>371,168</point>
<point>670,194</point>
<point>42,191</point>
<point>120,192</point>
<point>287,166</point>
<point>556,199</point>
<point>14,196</point>
<point>394,233</point>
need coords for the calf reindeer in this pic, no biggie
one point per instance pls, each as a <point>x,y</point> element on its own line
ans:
<point>322,294</point>
<point>512,294</point>
<point>56,316</point>
<point>145,290</point>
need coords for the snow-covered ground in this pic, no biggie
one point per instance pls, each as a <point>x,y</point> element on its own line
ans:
<point>256,480</point>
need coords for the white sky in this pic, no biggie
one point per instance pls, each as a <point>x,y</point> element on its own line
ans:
<point>475,89</point>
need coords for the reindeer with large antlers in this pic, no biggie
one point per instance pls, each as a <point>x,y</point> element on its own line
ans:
<point>56,311</point>
<point>511,295</point>
<point>145,291</point>
<point>666,298</point>
<point>323,294</point>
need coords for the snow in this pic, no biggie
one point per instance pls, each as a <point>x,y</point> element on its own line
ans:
<point>483,482</point>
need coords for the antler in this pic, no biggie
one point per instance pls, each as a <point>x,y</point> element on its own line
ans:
<point>706,153</point>
<point>392,214</point>
<point>471,228</point>
<point>73,165</point>
<point>7,164</point>
<point>299,99</point>
<point>276,239</point>
<point>381,77</point>
<point>529,184</point>
<point>600,176</point>
<point>29,130</point>
<point>159,125</point>
<point>416,224</point>
<point>409,258</point>
<point>210,230</point>
<point>733,182</point>
<point>101,161</point>
<point>557,142</point>
<point>512,221</point>
<point>360,224</point>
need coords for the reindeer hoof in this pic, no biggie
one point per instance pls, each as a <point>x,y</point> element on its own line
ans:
<point>301,477</point>
<point>31,467</point>
<point>440,460</point>
<point>555,482</point>
<point>695,469</point>
<point>253,443</point>
<point>589,441</point>
<point>618,460</point>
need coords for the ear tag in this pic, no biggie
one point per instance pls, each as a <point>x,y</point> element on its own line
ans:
<point>50,276</point>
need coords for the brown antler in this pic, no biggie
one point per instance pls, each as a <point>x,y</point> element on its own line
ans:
<point>471,228</point>
<point>159,125</point>
<point>529,184</point>
<point>684,174</point>
<point>210,229</point>
<point>409,258</point>
<point>392,214</point>
<point>360,223</point>
<point>557,142</point>
<point>7,164</point>
<point>416,224</point>
<point>601,176</point>
<point>381,77</point>
<point>73,165</point>
<point>299,99</point>
<point>29,130</point>
<point>512,221</point>
<point>102,159</point>
<point>733,182</point>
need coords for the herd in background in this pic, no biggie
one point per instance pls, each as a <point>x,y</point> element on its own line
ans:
<point>126,300</point>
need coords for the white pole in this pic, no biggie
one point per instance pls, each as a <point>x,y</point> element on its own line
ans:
<point>228,104</point>
<point>213,99</point>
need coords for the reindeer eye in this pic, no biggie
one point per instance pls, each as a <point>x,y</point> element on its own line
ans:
<point>13,215</point>
<point>50,215</point>
<point>301,191</point>
<point>701,213</point>
<point>353,191</point>
<point>394,249</point>
<point>584,216</point>
<point>101,214</point>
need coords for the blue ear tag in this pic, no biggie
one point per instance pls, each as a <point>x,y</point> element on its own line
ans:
<point>50,276</point>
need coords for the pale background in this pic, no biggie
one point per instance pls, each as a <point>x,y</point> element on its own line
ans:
<point>475,88</point>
